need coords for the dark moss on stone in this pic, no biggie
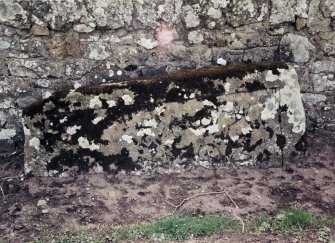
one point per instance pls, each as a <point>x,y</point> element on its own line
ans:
<point>192,76</point>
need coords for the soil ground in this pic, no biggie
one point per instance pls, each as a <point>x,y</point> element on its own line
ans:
<point>100,201</point>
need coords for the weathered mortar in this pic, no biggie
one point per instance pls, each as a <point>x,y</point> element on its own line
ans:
<point>45,45</point>
<point>236,115</point>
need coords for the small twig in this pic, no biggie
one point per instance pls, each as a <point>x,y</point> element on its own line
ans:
<point>170,203</point>
<point>176,207</point>
<point>242,223</point>
<point>231,199</point>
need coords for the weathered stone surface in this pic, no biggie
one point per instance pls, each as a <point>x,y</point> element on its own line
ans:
<point>322,75</point>
<point>300,23</point>
<point>287,10</point>
<point>328,8</point>
<point>36,68</point>
<point>12,13</point>
<point>39,30</point>
<point>295,48</point>
<point>246,11</point>
<point>238,114</point>
<point>4,44</point>
<point>316,21</point>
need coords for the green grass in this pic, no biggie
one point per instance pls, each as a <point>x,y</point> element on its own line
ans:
<point>294,218</point>
<point>289,221</point>
<point>176,228</point>
<point>286,221</point>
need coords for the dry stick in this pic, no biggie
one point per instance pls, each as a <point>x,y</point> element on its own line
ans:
<point>231,199</point>
<point>170,203</point>
<point>204,194</point>
<point>197,195</point>
<point>242,223</point>
<point>237,217</point>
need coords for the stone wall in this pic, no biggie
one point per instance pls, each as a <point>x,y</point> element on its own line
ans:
<point>50,45</point>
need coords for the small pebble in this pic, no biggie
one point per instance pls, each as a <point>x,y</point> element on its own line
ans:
<point>45,211</point>
<point>41,203</point>
<point>221,62</point>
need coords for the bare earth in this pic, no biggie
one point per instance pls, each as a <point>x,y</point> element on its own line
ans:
<point>101,201</point>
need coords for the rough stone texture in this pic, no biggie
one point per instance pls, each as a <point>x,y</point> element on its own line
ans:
<point>51,45</point>
<point>235,115</point>
<point>295,48</point>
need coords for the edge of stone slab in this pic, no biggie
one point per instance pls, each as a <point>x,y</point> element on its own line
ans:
<point>213,72</point>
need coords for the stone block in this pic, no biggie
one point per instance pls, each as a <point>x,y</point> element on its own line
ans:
<point>241,115</point>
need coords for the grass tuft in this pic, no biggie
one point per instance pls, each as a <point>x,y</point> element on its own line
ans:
<point>294,218</point>
<point>176,228</point>
<point>286,221</point>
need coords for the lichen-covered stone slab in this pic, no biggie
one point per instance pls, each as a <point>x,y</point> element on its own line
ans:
<point>246,114</point>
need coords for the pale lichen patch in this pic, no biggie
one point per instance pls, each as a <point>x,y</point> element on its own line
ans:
<point>72,130</point>
<point>35,142</point>
<point>127,99</point>
<point>85,144</point>
<point>95,102</point>
<point>127,138</point>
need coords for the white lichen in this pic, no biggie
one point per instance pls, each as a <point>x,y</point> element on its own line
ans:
<point>7,134</point>
<point>111,103</point>
<point>145,131</point>
<point>95,102</point>
<point>127,100</point>
<point>73,130</point>
<point>85,144</point>
<point>35,142</point>
<point>127,138</point>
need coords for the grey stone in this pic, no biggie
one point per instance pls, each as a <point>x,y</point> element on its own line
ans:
<point>12,13</point>
<point>243,12</point>
<point>300,23</point>
<point>311,99</point>
<point>6,134</point>
<point>329,36</point>
<point>328,49</point>
<point>168,123</point>
<point>41,30</point>
<point>83,28</point>
<point>195,37</point>
<point>147,43</point>
<point>97,51</point>
<point>323,82</point>
<point>51,45</point>
<point>323,66</point>
<point>4,44</point>
<point>286,10</point>
<point>42,203</point>
<point>327,8</point>
<point>35,68</point>
<point>111,13</point>
<point>295,48</point>
<point>316,21</point>
<point>45,211</point>
<point>191,17</point>
<point>167,11</point>
<point>3,119</point>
